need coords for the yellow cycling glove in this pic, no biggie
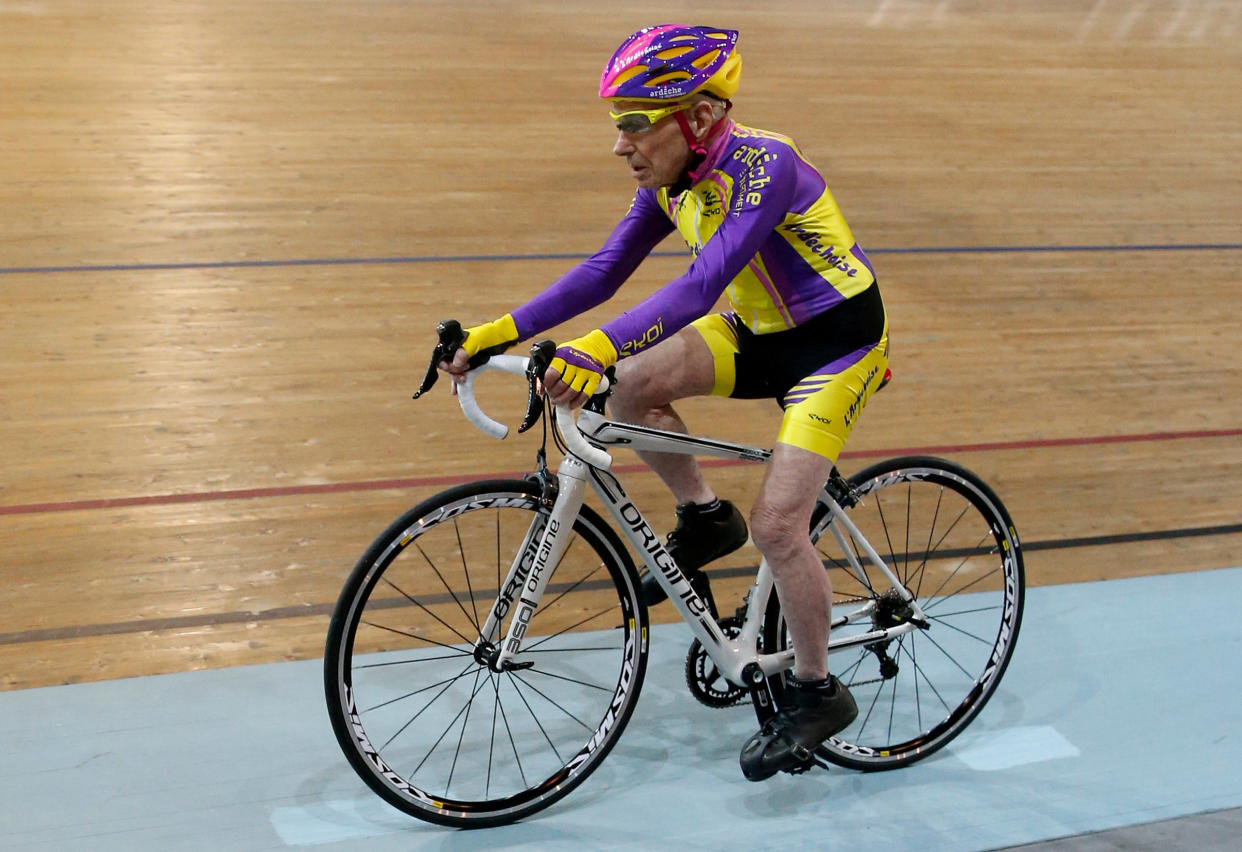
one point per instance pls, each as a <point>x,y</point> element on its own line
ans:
<point>582,362</point>
<point>491,338</point>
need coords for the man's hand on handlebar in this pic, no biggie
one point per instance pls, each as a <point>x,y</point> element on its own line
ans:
<point>457,368</point>
<point>561,393</point>
<point>479,343</point>
<point>578,367</point>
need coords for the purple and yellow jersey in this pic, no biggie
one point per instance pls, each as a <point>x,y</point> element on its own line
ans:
<point>759,220</point>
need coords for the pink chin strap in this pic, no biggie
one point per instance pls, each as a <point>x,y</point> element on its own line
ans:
<point>698,150</point>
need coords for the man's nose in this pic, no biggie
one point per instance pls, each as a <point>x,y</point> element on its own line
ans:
<point>623,146</point>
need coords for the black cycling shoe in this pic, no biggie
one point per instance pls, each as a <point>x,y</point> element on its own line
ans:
<point>788,740</point>
<point>696,540</point>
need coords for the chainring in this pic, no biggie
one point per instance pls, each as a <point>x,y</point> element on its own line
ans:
<point>706,683</point>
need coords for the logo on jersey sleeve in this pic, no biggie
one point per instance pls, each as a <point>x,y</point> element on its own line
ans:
<point>650,336</point>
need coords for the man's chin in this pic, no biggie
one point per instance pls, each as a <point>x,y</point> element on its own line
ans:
<point>646,179</point>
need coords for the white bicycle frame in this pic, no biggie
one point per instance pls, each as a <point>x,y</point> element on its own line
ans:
<point>587,460</point>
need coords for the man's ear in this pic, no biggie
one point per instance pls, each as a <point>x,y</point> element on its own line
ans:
<point>704,116</point>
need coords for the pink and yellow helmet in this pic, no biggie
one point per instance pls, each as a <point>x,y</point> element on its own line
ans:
<point>672,61</point>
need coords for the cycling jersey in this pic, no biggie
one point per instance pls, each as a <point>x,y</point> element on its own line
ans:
<point>759,220</point>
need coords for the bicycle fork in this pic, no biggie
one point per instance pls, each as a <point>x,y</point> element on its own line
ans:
<point>531,569</point>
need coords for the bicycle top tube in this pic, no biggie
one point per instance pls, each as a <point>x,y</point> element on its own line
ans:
<point>606,432</point>
<point>596,427</point>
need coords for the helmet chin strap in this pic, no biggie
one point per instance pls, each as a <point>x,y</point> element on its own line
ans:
<point>698,149</point>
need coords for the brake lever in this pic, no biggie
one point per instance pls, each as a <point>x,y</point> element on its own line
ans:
<point>540,357</point>
<point>451,337</point>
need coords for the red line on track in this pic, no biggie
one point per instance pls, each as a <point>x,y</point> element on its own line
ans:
<point>425,481</point>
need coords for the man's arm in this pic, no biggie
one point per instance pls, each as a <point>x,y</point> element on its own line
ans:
<point>763,193</point>
<point>596,279</point>
<point>590,283</point>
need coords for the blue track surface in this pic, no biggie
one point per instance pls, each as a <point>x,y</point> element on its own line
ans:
<point>1120,707</point>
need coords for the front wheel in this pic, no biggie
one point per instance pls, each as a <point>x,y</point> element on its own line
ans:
<point>423,718</point>
<point>950,543</point>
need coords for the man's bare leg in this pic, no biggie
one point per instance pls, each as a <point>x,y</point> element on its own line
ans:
<point>647,385</point>
<point>779,524</point>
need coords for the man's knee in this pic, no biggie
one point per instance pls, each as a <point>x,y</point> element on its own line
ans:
<point>778,529</point>
<point>638,389</point>
<point>780,518</point>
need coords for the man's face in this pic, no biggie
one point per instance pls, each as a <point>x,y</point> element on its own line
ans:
<point>656,155</point>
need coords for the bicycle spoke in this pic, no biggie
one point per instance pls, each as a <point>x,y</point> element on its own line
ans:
<point>448,785</point>
<point>919,670</point>
<point>464,709</point>
<point>845,674</point>
<point>933,549</point>
<point>447,587</point>
<point>548,699</point>
<point>918,700</point>
<point>905,577</point>
<point>947,655</point>
<point>574,626</point>
<point>426,707</point>
<point>565,650</point>
<point>946,615</point>
<point>960,630</point>
<point>412,660</point>
<point>465,570</point>
<point>491,740</point>
<point>535,717</point>
<point>966,558</point>
<point>448,680</point>
<point>570,680</point>
<point>870,709</point>
<point>517,759</point>
<point>418,604</point>
<point>892,708</point>
<point>933,604</point>
<point>921,570</point>
<point>418,638</point>
<point>892,553</point>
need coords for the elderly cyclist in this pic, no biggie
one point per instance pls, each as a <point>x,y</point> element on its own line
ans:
<point>805,326</point>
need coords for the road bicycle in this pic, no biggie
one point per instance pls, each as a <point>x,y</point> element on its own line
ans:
<point>489,647</point>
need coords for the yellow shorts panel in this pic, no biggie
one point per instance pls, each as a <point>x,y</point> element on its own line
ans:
<point>721,339</point>
<point>822,421</point>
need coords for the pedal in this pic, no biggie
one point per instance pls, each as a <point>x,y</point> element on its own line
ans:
<point>806,762</point>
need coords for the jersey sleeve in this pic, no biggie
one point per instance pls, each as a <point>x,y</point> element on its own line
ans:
<point>763,190</point>
<point>597,279</point>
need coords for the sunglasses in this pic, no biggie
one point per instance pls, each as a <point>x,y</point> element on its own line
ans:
<point>642,120</point>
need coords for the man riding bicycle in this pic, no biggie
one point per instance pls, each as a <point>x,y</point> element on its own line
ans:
<point>806,326</point>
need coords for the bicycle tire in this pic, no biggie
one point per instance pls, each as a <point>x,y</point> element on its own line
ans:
<point>917,692</point>
<point>422,718</point>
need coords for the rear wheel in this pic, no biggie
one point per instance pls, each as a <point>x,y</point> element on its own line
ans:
<point>950,542</point>
<point>423,718</point>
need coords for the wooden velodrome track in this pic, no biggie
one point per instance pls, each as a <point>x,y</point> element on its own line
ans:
<point>227,229</point>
